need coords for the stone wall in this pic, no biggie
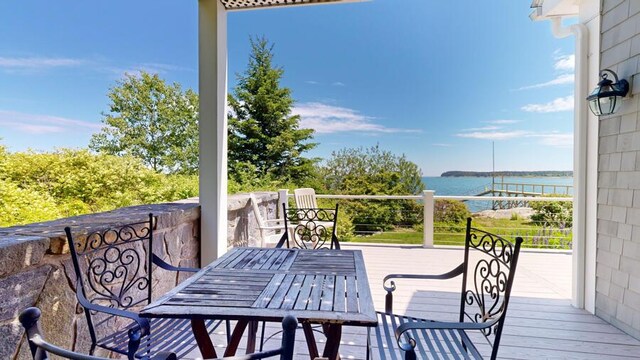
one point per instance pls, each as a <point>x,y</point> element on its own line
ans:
<point>37,270</point>
<point>618,254</point>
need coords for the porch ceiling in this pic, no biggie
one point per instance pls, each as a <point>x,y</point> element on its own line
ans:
<point>252,4</point>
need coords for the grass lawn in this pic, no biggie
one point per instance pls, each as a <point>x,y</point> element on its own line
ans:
<point>535,236</point>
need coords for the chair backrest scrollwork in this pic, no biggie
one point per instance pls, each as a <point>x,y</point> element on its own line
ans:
<point>310,228</point>
<point>489,268</point>
<point>113,268</point>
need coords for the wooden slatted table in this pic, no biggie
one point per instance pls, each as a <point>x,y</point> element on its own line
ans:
<point>327,287</point>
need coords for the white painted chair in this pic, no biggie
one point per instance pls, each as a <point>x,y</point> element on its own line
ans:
<point>305,198</point>
<point>270,229</point>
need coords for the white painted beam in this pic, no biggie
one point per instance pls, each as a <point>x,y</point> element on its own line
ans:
<point>212,57</point>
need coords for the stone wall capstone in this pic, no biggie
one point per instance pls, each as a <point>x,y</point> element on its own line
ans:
<point>37,270</point>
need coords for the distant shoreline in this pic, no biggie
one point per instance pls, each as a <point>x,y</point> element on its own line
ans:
<point>507,173</point>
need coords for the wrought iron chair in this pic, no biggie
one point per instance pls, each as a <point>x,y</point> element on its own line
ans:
<point>486,287</point>
<point>311,228</point>
<point>114,270</point>
<point>40,348</point>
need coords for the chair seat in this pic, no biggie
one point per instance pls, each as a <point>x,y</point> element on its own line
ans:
<point>173,335</point>
<point>430,344</point>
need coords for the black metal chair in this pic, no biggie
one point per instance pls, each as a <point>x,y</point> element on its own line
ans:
<point>114,270</point>
<point>40,348</point>
<point>309,228</point>
<point>486,287</point>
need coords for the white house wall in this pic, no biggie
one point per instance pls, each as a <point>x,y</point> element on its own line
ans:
<point>618,212</point>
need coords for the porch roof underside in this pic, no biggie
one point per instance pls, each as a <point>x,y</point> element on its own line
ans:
<point>253,4</point>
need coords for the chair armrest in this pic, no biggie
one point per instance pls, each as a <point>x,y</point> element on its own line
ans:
<point>392,285</point>
<point>142,324</point>
<point>427,325</point>
<point>38,341</point>
<point>164,265</point>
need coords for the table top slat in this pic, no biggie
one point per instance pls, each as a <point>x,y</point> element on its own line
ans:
<point>279,296</point>
<point>328,290</point>
<point>352,294</point>
<point>266,284</point>
<point>339,301</point>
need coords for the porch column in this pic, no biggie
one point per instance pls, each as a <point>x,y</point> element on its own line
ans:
<point>212,51</point>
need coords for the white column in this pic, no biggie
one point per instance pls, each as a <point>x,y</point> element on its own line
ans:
<point>212,51</point>
<point>429,204</point>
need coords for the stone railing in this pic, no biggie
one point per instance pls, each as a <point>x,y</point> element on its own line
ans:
<point>36,269</point>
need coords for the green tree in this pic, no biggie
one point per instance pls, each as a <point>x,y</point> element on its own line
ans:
<point>153,121</point>
<point>264,138</point>
<point>373,171</point>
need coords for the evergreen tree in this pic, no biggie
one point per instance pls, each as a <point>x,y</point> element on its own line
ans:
<point>264,138</point>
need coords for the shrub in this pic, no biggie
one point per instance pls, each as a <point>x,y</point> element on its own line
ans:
<point>450,211</point>
<point>554,213</point>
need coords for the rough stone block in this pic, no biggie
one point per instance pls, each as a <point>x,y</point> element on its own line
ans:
<point>18,252</point>
<point>21,290</point>
<point>58,304</point>
<point>11,334</point>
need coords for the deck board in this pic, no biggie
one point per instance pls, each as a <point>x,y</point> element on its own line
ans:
<point>541,323</point>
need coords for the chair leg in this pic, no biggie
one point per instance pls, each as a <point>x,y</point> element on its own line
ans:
<point>228,330</point>
<point>264,323</point>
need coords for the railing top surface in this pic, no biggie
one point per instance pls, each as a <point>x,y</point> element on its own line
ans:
<point>444,197</point>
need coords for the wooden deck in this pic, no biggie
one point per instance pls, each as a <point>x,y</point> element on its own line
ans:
<point>541,323</point>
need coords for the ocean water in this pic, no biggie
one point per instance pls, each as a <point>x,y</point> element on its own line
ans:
<point>475,185</point>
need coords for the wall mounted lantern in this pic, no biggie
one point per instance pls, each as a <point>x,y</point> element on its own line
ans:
<point>605,97</point>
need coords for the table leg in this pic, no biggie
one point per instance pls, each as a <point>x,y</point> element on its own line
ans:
<point>311,341</point>
<point>201,335</point>
<point>251,337</point>
<point>235,338</point>
<point>331,348</point>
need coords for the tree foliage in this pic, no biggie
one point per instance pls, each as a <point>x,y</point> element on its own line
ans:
<point>552,213</point>
<point>153,121</point>
<point>450,211</point>
<point>264,138</point>
<point>44,186</point>
<point>373,171</point>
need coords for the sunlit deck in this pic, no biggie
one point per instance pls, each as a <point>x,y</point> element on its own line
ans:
<point>541,323</point>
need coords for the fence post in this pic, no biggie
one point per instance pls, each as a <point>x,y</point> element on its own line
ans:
<point>427,232</point>
<point>283,198</point>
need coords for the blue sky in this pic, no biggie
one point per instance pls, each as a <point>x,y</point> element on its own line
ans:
<point>435,80</point>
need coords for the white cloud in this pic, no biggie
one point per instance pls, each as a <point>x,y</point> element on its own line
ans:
<point>484,128</point>
<point>43,124</point>
<point>557,105</point>
<point>494,135</point>
<point>565,63</point>
<point>441,145</point>
<point>501,122</point>
<point>152,68</point>
<point>559,80</point>
<point>327,119</point>
<point>338,83</point>
<point>35,63</point>
<point>556,139</point>
<point>312,82</point>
